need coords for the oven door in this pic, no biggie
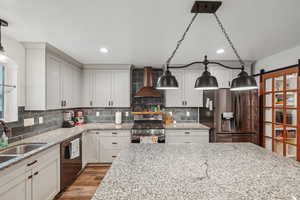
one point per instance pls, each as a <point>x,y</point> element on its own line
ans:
<point>148,139</point>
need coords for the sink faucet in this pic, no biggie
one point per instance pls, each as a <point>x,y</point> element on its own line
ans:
<point>4,127</point>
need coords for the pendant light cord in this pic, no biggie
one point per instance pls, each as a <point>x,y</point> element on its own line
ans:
<point>181,40</point>
<point>229,41</point>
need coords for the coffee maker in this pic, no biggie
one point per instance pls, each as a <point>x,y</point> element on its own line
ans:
<point>68,119</point>
<point>227,121</point>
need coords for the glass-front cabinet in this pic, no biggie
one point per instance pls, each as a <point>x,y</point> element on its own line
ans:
<point>280,92</point>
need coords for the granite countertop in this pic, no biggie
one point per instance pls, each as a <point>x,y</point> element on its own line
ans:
<point>58,135</point>
<point>184,126</point>
<point>216,171</point>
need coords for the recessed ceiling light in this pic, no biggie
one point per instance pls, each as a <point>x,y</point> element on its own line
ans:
<point>220,51</point>
<point>103,50</point>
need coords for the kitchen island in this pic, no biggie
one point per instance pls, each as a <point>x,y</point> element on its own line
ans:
<point>214,171</point>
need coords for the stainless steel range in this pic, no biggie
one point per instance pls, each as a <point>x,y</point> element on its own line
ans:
<point>148,128</point>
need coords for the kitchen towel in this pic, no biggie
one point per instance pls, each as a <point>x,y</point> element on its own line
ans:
<point>75,148</point>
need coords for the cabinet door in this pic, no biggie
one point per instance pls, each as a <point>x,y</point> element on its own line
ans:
<point>90,147</point>
<point>120,88</point>
<point>16,189</point>
<point>193,97</point>
<point>87,96</point>
<point>66,73</point>
<point>46,179</point>
<point>175,98</point>
<point>76,79</point>
<point>102,88</point>
<point>53,100</point>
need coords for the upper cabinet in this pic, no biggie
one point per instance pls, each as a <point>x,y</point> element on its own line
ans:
<point>53,78</point>
<point>107,88</point>
<point>186,95</point>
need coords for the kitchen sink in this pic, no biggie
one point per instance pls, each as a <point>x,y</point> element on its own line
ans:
<point>7,158</point>
<point>21,148</point>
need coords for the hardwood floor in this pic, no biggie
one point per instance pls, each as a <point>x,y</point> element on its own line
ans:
<point>85,185</point>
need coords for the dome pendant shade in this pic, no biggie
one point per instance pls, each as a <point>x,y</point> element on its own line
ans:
<point>167,82</point>
<point>206,82</point>
<point>243,82</point>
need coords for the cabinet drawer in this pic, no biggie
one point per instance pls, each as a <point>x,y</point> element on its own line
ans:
<point>187,132</point>
<point>107,156</point>
<point>42,157</point>
<point>187,139</point>
<point>114,133</point>
<point>114,142</point>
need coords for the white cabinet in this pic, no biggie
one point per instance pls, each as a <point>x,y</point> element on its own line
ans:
<point>106,88</point>
<point>36,178</point>
<point>90,147</point>
<point>187,136</point>
<point>186,95</point>
<point>104,145</point>
<point>50,78</point>
<point>111,143</point>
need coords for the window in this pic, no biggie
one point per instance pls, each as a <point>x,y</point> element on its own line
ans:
<point>1,91</point>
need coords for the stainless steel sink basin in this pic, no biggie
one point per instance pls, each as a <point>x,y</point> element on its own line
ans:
<point>21,148</point>
<point>6,158</point>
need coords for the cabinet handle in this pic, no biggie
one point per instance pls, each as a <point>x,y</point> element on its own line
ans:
<point>114,133</point>
<point>91,103</point>
<point>65,103</point>
<point>62,103</point>
<point>32,163</point>
<point>112,103</point>
<point>114,156</point>
<point>187,142</point>
<point>108,103</point>
<point>114,143</point>
<point>36,173</point>
<point>185,102</point>
<point>186,133</point>
<point>30,177</point>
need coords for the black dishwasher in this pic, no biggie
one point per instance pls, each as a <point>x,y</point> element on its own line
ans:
<point>69,167</point>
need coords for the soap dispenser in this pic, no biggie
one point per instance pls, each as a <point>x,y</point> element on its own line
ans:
<point>4,140</point>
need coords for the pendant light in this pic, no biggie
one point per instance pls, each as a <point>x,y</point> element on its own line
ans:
<point>3,57</point>
<point>206,81</point>
<point>243,82</point>
<point>167,82</point>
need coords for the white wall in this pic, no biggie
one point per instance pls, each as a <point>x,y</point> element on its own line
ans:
<point>283,59</point>
<point>16,52</point>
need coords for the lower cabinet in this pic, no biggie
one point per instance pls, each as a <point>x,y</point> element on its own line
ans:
<point>104,145</point>
<point>36,178</point>
<point>187,136</point>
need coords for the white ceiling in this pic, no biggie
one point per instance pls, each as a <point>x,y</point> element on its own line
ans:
<point>144,32</point>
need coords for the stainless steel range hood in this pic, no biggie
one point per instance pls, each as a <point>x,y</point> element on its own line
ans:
<point>148,90</point>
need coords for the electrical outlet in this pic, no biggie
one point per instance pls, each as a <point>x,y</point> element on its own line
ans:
<point>29,122</point>
<point>97,114</point>
<point>126,114</point>
<point>188,114</point>
<point>170,113</point>
<point>41,120</point>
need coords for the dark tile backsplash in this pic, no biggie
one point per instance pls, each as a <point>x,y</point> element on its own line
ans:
<point>53,119</point>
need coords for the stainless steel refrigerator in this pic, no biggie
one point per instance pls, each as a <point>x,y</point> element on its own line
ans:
<point>235,115</point>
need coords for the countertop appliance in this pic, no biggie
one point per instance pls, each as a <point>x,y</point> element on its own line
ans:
<point>68,119</point>
<point>148,128</point>
<point>70,166</point>
<point>79,118</point>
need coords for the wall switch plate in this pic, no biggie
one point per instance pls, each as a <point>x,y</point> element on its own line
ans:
<point>188,114</point>
<point>41,120</point>
<point>29,122</point>
<point>170,113</point>
<point>97,114</point>
<point>126,114</point>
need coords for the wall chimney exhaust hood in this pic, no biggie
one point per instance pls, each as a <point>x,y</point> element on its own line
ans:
<point>148,89</point>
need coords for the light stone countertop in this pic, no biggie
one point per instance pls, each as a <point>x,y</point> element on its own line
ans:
<point>58,135</point>
<point>216,171</point>
<point>185,126</point>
